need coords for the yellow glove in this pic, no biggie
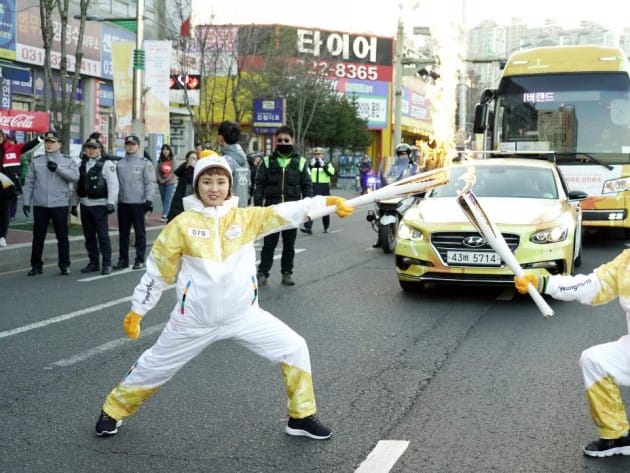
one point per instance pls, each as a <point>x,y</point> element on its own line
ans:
<point>131,325</point>
<point>539,282</point>
<point>343,210</point>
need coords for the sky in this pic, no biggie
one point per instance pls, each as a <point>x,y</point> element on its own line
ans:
<point>380,17</point>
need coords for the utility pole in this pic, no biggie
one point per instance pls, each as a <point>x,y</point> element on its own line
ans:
<point>398,84</point>
<point>137,119</point>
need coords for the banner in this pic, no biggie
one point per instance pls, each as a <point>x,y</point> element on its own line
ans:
<point>156,82</point>
<point>122,60</point>
<point>22,120</point>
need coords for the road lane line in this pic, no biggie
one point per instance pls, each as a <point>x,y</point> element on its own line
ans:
<point>73,360</point>
<point>383,457</point>
<point>62,318</point>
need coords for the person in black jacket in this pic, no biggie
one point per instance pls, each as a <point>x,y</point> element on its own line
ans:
<point>184,173</point>
<point>283,176</point>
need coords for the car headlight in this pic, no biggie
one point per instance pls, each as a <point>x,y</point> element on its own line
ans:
<point>551,235</point>
<point>616,185</point>
<point>405,232</point>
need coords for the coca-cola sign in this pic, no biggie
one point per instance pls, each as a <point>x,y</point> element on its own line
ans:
<point>22,120</point>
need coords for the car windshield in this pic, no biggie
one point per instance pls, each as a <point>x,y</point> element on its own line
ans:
<point>502,181</point>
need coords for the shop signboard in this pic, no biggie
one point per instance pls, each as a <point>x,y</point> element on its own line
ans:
<point>7,29</point>
<point>24,120</point>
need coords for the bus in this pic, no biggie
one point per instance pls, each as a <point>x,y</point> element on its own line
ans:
<point>573,104</point>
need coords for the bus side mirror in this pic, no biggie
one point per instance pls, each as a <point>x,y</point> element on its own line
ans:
<point>479,125</point>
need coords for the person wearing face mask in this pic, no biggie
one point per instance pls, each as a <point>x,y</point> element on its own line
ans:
<point>282,176</point>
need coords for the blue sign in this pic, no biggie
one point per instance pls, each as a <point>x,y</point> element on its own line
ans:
<point>106,95</point>
<point>7,29</point>
<point>40,86</point>
<point>268,113</point>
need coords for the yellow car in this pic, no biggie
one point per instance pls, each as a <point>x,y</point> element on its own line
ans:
<point>528,201</point>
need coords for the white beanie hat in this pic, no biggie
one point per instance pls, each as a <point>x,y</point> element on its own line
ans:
<point>212,161</point>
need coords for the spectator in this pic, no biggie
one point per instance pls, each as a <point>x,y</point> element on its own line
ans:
<point>136,179</point>
<point>8,192</point>
<point>253,160</point>
<point>321,173</point>
<point>212,269</point>
<point>166,178</point>
<point>10,162</point>
<point>184,187</point>
<point>98,192</point>
<point>229,137</point>
<point>282,177</point>
<point>365,167</point>
<point>47,189</point>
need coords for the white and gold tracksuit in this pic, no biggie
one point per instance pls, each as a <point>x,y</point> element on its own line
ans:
<point>604,366</point>
<point>209,253</point>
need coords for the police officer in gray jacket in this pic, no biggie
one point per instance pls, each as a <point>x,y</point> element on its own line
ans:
<point>137,183</point>
<point>47,189</point>
<point>98,193</point>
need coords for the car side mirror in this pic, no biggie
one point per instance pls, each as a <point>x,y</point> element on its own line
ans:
<point>577,195</point>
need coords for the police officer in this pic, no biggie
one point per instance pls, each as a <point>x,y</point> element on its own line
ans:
<point>98,193</point>
<point>47,188</point>
<point>137,184</point>
<point>321,173</point>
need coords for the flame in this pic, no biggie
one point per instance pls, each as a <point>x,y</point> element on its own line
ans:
<point>449,50</point>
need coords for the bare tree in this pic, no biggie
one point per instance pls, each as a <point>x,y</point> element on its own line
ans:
<point>60,99</point>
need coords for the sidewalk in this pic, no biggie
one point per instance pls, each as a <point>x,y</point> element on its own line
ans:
<point>17,253</point>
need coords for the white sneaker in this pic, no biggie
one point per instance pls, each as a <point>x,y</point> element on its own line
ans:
<point>3,242</point>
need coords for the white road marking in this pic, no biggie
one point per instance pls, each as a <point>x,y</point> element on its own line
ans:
<point>62,318</point>
<point>113,273</point>
<point>383,457</point>
<point>103,348</point>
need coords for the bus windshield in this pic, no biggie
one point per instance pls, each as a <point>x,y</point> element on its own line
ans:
<point>572,114</point>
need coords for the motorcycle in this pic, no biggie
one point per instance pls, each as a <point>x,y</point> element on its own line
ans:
<point>388,213</point>
<point>385,218</point>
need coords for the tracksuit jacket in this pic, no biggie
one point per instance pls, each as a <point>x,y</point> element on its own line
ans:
<point>208,253</point>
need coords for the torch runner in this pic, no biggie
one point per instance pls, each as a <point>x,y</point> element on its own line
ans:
<point>467,200</point>
<point>410,185</point>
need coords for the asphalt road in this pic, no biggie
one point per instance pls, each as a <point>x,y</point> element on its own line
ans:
<point>461,379</point>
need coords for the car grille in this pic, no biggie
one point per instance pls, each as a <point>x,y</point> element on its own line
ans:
<point>454,241</point>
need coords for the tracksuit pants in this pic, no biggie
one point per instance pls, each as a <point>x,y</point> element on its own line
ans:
<point>604,368</point>
<point>256,329</point>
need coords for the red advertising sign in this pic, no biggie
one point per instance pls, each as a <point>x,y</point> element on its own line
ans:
<point>22,120</point>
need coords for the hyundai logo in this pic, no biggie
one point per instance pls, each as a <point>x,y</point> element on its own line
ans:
<point>474,241</point>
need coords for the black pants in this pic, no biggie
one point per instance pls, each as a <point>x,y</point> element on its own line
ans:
<point>96,234</point>
<point>325,219</point>
<point>41,217</point>
<point>5,217</point>
<point>128,215</point>
<point>288,251</point>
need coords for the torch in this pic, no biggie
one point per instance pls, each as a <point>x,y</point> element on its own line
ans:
<point>471,207</point>
<point>409,185</point>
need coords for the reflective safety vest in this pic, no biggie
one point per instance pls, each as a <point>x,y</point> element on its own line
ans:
<point>322,175</point>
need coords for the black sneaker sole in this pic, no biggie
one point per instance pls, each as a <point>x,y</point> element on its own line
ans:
<point>607,453</point>
<point>109,433</point>
<point>304,433</point>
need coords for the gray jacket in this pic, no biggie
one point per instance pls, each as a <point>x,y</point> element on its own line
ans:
<point>241,173</point>
<point>136,176</point>
<point>45,188</point>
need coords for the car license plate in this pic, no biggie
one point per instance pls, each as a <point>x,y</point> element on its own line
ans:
<point>476,258</point>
